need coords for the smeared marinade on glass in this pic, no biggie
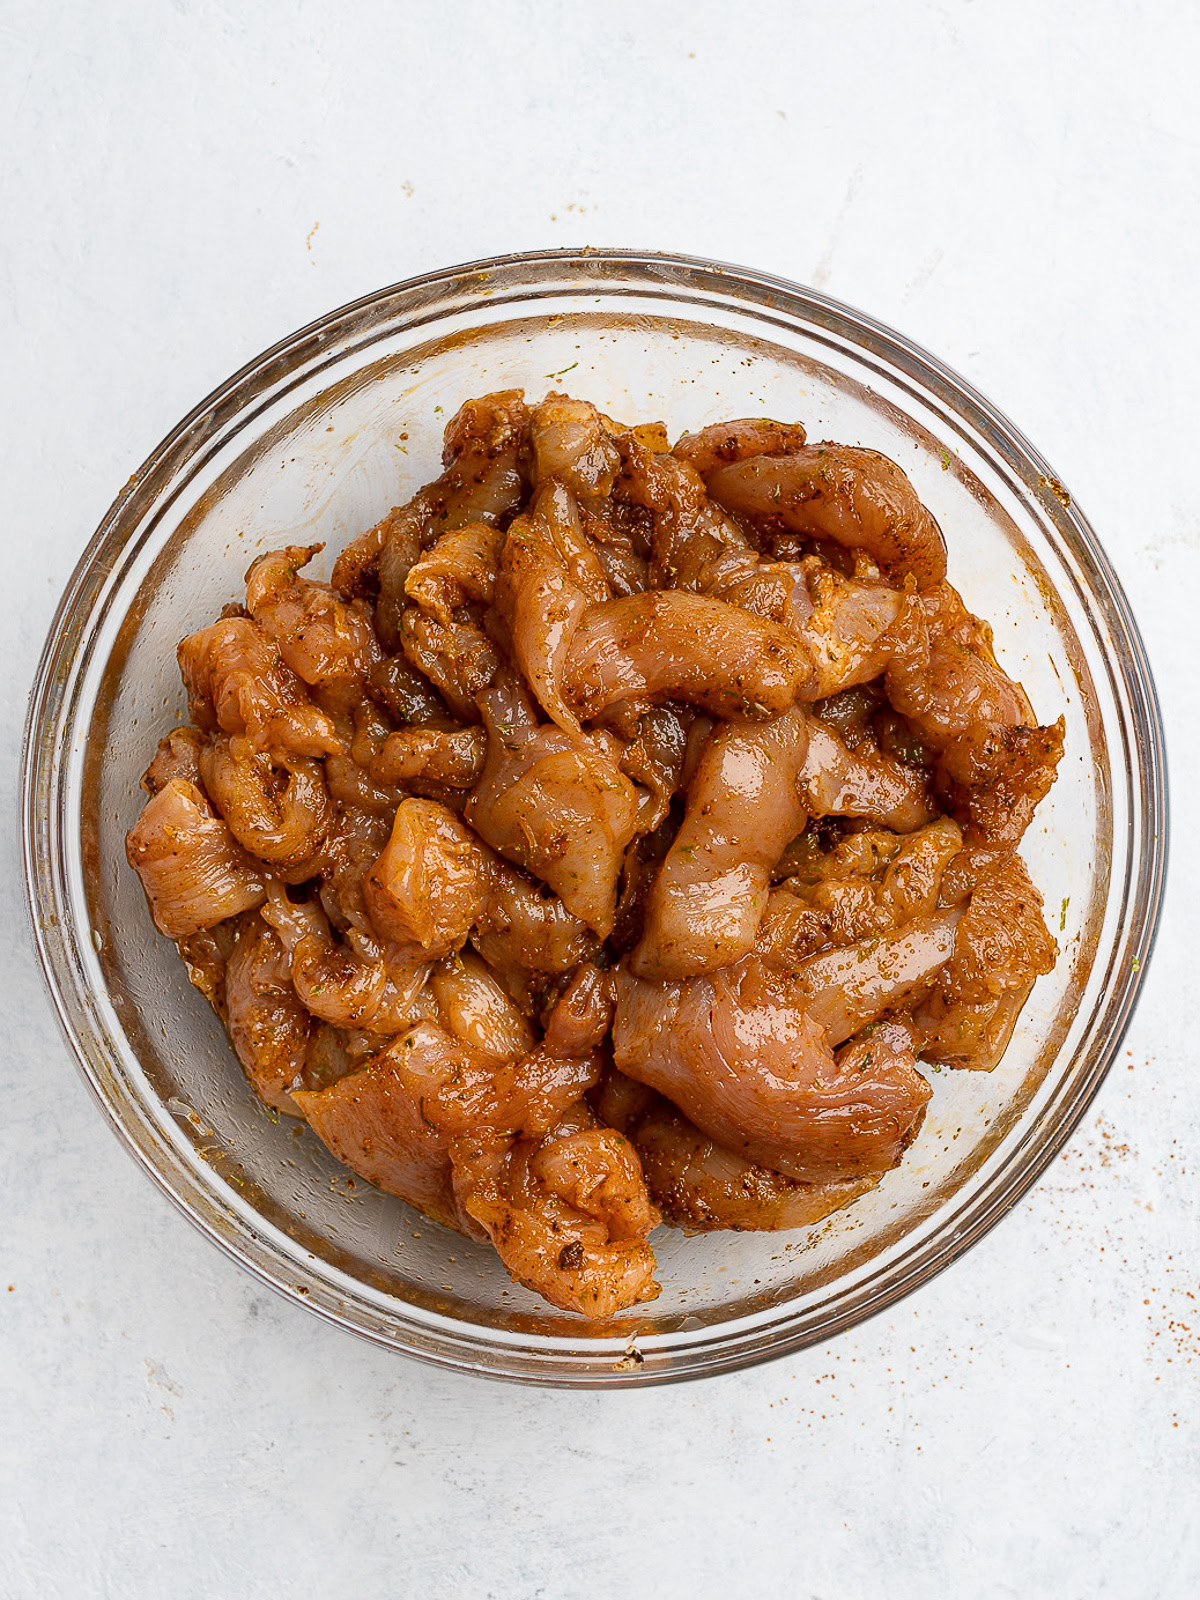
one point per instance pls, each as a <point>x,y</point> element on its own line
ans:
<point>611,839</point>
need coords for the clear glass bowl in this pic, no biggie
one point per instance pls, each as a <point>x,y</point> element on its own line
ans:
<point>305,444</point>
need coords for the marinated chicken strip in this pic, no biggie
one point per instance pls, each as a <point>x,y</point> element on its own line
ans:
<point>549,575</point>
<point>996,764</point>
<point>701,1187</point>
<point>1002,942</point>
<point>870,884</point>
<point>856,497</point>
<point>698,548</point>
<point>486,466</point>
<point>1001,947</point>
<point>486,457</point>
<point>430,884</point>
<point>475,1009</point>
<point>620,551</point>
<point>268,1024</point>
<point>354,843</point>
<point>382,557</point>
<point>598,1172</point>
<point>352,787</point>
<point>847,636</point>
<point>464,1091</point>
<point>177,756</point>
<point>460,659</point>
<point>524,928</point>
<point>279,812</point>
<point>327,643</point>
<point>554,804</point>
<point>969,1036</point>
<point>743,807</point>
<point>844,990</point>
<point>193,870</point>
<point>943,676</point>
<point>842,623</point>
<point>994,778</point>
<point>840,782</point>
<point>347,981</point>
<point>205,955</point>
<point>373,1124</point>
<point>406,694</point>
<point>568,1213</point>
<point>655,760</point>
<point>671,645</point>
<point>348,775</point>
<point>742,1057</point>
<point>334,1053</point>
<point>351,991</point>
<point>723,443</point>
<point>582,1015</point>
<point>461,567</point>
<point>572,444</point>
<point>450,756</point>
<point>237,681</point>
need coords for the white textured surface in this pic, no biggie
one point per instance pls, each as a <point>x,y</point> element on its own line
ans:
<point>1014,185</point>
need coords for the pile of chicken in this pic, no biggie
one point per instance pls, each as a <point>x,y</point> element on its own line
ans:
<point>609,838</point>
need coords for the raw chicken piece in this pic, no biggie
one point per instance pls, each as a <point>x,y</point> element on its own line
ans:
<point>431,882</point>
<point>870,884</point>
<point>743,807</point>
<point>840,782</point>
<point>326,642</point>
<point>655,760</point>
<point>205,955</point>
<point>549,574</point>
<point>700,1186</point>
<point>406,694</point>
<point>279,812</point>
<point>831,491</point>
<point>177,756</point>
<point>572,444</point>
<point>450,756</point>
<point>374,1125</point>
<point>741,1055</point>
<point>723,443</point>
<point>844,990</point>
<point>460,659</point>
<point>671,645</point>
<point>994,778</point>
<point>995,764</point>
<point>464,1091</point>
<point>193,870</point>
<point>486,467</point>
<point>567,1213</point>
<point>237,680</point>
<point>526,929</point>
<point>555,804</point>
<point>351,982</point>
<point>475,1009</point>
<point>1002,941</point>
<point>267,1022</point>
<point>847,636</point>
<point>1001,946</point>
<point>461,567</point>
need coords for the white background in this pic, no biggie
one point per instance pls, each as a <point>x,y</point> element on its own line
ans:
<point>1013,185</point>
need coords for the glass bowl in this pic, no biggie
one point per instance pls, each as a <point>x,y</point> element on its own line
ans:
<point>306,443</point>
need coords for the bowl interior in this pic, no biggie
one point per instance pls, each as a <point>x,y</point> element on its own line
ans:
<point>316,442</point>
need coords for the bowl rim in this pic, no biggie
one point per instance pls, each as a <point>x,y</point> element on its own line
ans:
<point>1147,869</point>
